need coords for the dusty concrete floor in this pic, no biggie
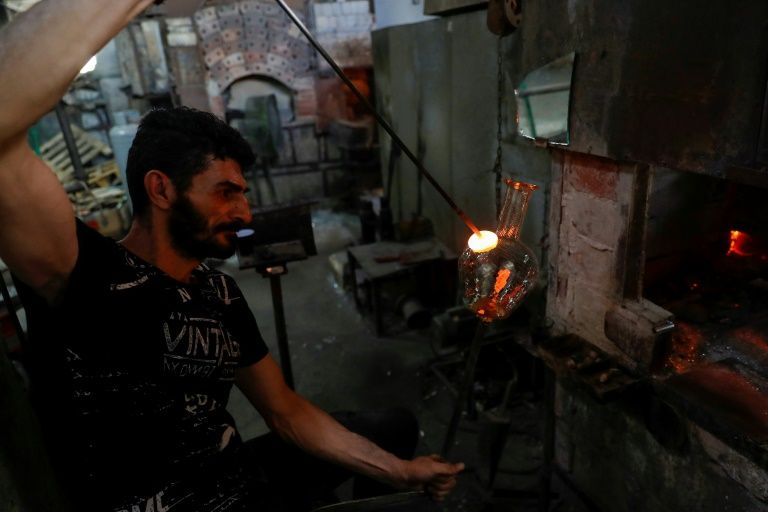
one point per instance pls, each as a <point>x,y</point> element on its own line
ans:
<point>339,364</point>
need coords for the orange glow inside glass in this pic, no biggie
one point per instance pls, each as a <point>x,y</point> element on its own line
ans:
<point>483,241</point>
<point>739,243</point>
<point>501,280</point>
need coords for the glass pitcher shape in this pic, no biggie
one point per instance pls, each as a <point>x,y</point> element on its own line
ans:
<point>497,280</point>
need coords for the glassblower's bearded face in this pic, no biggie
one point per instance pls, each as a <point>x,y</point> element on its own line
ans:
<point>192,235</point>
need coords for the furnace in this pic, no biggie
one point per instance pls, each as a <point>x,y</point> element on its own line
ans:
<point>664,273</point>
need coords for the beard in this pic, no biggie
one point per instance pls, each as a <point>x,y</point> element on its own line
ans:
<point>191,236</point>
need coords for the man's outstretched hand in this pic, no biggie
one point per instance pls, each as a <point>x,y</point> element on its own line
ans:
<point>433,474</point>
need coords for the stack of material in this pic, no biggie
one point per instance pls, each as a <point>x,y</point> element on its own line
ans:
<point>54,153</point>
<point>98,199</point>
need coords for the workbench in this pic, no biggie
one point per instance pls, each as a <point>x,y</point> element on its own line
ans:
<point>373,264</point>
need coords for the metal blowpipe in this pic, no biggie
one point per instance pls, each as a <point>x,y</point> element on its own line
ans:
<point>384,124</point>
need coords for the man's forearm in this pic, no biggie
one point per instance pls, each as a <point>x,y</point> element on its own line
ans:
<point>318,433</point>
<point>35,73</point>
<point>298,421</point>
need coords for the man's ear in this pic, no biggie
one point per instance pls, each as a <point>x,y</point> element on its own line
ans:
<point>160,190</point>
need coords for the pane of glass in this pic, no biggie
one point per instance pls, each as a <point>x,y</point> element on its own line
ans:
<point>543,98</point>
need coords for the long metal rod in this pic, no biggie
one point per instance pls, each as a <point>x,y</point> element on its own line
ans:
<point>282,335</point>
<point>384,124</point>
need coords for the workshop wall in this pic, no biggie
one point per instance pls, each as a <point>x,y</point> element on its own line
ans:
<point>429,78</point>
<point>656,86</point>
<point>444,108</point>
<point>678,85</point>
<point>398,12</point>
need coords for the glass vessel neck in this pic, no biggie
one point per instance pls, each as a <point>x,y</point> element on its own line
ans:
<point>513,208</point>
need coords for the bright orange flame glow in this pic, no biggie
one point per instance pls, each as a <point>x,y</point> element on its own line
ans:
<point>753,338</point>
<point>739,242</point>
<point>483,241</point>
<point>501,280</point>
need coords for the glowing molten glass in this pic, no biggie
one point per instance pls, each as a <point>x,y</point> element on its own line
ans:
<point>483,241</point>
<point>497,269</point>
<point>739,243</point>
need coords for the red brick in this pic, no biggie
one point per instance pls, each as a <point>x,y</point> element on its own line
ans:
<point>596,176</point>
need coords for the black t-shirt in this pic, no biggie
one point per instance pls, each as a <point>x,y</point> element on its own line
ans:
<point>131,374</point>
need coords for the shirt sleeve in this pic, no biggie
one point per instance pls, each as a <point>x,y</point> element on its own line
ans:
<point>95,259</point>
<point>94,253</point>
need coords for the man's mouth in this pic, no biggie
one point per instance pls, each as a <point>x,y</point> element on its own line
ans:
<point>230,229</point>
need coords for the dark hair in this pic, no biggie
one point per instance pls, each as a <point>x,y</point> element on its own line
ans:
<point>180,142</point>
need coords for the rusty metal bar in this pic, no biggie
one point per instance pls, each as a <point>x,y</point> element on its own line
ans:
<point>282,335</point>
<point>464,393</point>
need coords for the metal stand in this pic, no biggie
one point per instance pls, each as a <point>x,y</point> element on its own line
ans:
<point>545,482</point>
<point>464,395</point>
<point>276,236</point>
<point>274,274</point>
<point>542,495</point>
<point>69,140</point>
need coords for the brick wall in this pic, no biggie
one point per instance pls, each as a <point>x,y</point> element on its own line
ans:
<point>588,232</point>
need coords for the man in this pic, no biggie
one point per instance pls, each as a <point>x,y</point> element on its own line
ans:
<point>135,344</point>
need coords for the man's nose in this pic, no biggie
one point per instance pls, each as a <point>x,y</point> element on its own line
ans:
<point>242,210</point>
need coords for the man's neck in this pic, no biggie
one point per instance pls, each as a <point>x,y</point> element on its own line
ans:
<point>154,246</point>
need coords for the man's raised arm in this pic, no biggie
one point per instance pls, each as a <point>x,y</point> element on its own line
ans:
<point>41,52</point>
